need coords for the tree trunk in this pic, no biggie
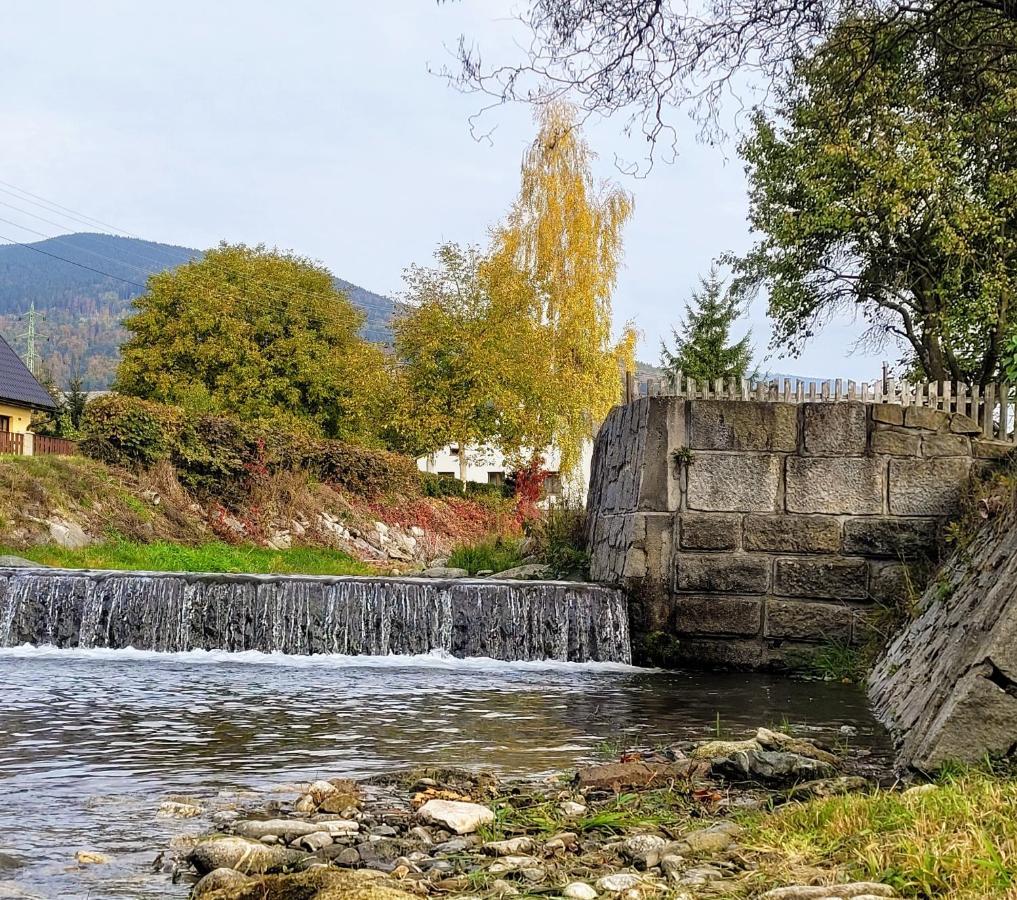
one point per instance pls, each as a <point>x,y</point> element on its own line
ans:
<point>462,461</point>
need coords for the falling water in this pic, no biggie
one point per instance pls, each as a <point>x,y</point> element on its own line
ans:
<point>507,620</point>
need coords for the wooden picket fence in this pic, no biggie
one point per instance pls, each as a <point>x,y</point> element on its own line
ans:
<point>993,407</point>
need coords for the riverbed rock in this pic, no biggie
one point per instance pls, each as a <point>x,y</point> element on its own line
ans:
<point>579,890</point>
<point>773,766</point>
<point>705,841</point>
<point>512,847</point>
<point>505,864</point>
<point>247,856</point>
<point>314,884</point>
<point>618,882</point>
<point>856,890</point>
<point>90,858</point>
<point>636,774</point>
<point>827,787</point>
<point>217,880</point>
<point>287,828</point>
<point>644,850</point>
<point>455,816</point>
<point>174,809</point>
<point>776,740</point>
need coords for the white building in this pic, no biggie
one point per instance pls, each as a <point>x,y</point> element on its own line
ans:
<point>488,466</point>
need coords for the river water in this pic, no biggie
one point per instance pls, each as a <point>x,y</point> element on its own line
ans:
<point>91,742</point>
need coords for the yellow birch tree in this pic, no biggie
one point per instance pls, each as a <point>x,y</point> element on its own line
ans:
<point>564,232</point>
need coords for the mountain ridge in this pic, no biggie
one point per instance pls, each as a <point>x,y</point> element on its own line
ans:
<point>82,285</point>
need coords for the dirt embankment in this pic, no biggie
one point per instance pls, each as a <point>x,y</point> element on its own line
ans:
<point>74,501</point>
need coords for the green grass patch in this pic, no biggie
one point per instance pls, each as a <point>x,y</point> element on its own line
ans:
<point>497,555</point>
<point>957,840</point>
<point>164,556</point>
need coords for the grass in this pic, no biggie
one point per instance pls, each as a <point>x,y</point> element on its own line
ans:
<point>164,556</point>
<point>496,555</point>
<point>958,840</point>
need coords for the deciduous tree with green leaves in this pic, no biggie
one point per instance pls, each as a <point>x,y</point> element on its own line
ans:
<point>888,186</point>
<point>472,363</point>
<point>258,334</point>
<point>702,346</point>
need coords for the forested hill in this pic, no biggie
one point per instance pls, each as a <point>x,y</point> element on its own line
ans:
<point>80,310</point>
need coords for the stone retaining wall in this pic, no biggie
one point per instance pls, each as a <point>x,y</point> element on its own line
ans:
<point>748,533</point>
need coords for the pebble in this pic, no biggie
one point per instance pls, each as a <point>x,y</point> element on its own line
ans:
<point>315,842</point>
<point>504,889</point>
<point>858,890</point>
<point>644,849</point>
<point>512,864</point>
<point>573,810</point>
<point>579,890</point>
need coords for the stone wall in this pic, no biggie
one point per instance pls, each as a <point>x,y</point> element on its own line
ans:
<point>748,533</point>
<point>947,686</point>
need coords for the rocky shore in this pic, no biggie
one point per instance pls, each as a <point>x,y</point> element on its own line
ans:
<point>670,822</point>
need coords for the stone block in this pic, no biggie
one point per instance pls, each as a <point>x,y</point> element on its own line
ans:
<point>924,417</point>
<point>720,653</point>
<point>718,615</point>
<point>834,429</point>
<point>888,584</point>
<point>927,487</point>
<point>991,449</point>
<point>705,531</point>
<point>836,579</point>
<point>792,534</point>
<point>934,445</point>
<point>894,442</point>
<point>735,425</point>
<point>901,539</point>
<point>734,482</point>
<point>849,486</point>
<point>805,621</point>
<point>725,573</point>
<point>888,413</point>
<point>962,424</point>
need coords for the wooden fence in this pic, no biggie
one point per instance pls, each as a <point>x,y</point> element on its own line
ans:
<point>53,446</point>
<point>35,445</point>
<point>993,407</point>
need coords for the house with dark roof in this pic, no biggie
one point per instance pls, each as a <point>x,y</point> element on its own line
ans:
<point>20,396</point>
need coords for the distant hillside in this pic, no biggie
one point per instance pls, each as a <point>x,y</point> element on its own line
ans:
<point>81,310</point>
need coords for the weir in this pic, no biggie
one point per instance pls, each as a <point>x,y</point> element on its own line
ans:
<point>505,620</point>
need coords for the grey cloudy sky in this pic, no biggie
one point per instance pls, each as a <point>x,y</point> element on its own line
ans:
<point>315,126</point>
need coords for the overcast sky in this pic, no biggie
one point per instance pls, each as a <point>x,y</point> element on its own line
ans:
<point>315,126</point>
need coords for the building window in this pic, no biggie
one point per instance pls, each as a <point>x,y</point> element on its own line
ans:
<point>495,477</point>
<point>552,485</point>
<point>5,423</point>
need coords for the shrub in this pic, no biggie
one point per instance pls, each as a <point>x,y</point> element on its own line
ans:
<point>559,540</point>
<point>486,489</point>
<point>440,486</point>
<point>126,431</point>
<point>362,471</point>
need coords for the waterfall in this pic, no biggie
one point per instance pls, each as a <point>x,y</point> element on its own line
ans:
<point>508,620</point>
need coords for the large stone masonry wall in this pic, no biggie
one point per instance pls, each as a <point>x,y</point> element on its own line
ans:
<point>750,533</point>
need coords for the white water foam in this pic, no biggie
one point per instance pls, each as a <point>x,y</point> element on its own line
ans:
<point>436,659</point>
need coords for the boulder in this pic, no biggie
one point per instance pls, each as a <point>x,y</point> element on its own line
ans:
<point>636,774</point>
<point>455,816</point>
<point>246,856</point>
<point>319,883</point>
<point>19,562</point>
<point>217,880</point>
<point>68,534</point>
<point>773,766</point>
<point>288,828</point>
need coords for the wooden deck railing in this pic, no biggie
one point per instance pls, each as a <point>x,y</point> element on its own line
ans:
<point>993,407</point>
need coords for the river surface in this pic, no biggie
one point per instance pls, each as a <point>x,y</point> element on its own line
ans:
<point>91,742</point>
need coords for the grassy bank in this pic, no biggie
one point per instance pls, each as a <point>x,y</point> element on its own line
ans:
<point>954,838</point>
<point>163,556</point>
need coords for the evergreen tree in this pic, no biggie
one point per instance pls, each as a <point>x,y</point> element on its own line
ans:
<point>702,346</point>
